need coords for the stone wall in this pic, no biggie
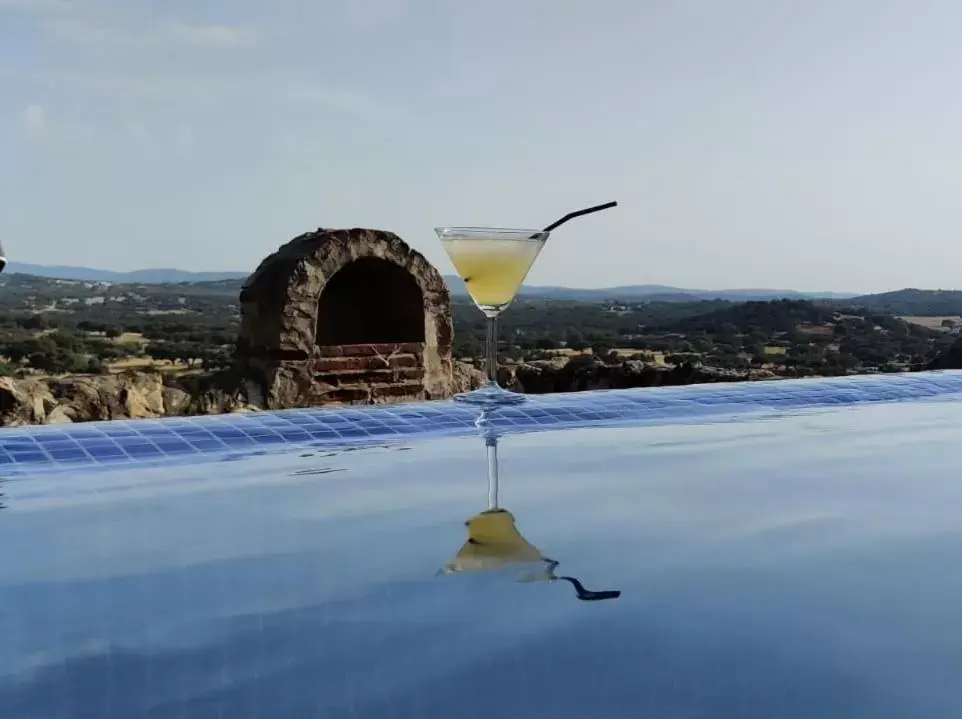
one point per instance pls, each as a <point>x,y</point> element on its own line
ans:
<point>300,296</point>
<point>371,373</point>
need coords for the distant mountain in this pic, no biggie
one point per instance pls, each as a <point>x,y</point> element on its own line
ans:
<point>19,284</point>
<point>660,293</point>
<point>655,293</point>
<point>913,302</point>
<point>150,276</point>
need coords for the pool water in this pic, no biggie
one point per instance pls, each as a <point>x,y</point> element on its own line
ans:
<point>796,564</point>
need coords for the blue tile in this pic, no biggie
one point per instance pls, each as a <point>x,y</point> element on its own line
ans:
<point>268,438</point>
<point>227,434</point>
<point>236,442</point>
<point>46,438</point>
<point>294,435</point>
<point>29,457</point>
<point>157,431</point>
<point>143,450</point>
<point>20,444</point>
<point>172,446</point>
<point>105,451</point>
<point>67,454</point>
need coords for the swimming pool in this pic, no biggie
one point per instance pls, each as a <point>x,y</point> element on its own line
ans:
<point>786,552</point>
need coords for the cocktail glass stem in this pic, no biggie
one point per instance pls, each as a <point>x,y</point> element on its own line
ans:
<point>491,364</point>
<point>491,447</point>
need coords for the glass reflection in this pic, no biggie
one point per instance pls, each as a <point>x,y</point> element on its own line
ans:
<point>494,540</point>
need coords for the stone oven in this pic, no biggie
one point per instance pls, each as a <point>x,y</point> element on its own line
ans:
<point>345,316</point>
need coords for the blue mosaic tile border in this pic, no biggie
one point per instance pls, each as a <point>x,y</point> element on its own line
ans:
<point>96,445</point>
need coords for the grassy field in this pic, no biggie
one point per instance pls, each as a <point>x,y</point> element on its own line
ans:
<point>141,363</point>
<point>129,338</point>
<point>134,342</point>
<point>657,357</point>
<point>933,323</point>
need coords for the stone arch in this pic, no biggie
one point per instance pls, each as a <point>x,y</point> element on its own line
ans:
<point>370,300</point>
<point>301,322</point>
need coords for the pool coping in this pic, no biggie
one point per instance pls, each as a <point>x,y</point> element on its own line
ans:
<point>44,449</point>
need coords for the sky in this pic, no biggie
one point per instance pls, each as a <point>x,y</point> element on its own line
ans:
<point>807,144</point>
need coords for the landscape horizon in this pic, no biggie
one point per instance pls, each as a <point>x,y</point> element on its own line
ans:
<point>169,338</point>
<point>166,275</point>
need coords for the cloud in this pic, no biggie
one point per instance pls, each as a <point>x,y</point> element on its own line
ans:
<point>39,129</point>
<point>35,123</point>
<point>37,6</point>
<point>155,142</point>
<point>142,59</point>
<point>185,137</point>
<point>373,12</point>
<point>183,91</point>
<point>213,35</point>
<point>141,136</point>
<point>351,102</point>
<point>106,26</point>
<point>136,136</point>
<point>106,37</point>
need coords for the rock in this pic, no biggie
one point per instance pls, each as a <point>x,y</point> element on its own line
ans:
<point>467,377</point>
<point>141,394</point>
<point>24,402</point>
<point>254,394</point>
<point>949,359</point>
<point>176,400</point>
<point>86,398</point>
<point>58,415</point>
<point>585,372</point>
<point>130,395</point>
<point>209,394</point>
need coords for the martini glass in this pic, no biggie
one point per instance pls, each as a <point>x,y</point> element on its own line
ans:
<point>493,263</point>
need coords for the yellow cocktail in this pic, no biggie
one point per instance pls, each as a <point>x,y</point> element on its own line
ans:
<point>492,270</point>
<point>494,542</point>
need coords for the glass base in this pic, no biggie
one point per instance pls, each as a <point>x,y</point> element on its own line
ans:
<point>490,395</point>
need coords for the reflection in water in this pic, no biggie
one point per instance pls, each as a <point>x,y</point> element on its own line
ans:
<point>236,593</point>
<point>494,540</point>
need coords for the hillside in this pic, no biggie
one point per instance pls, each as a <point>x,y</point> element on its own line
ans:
<point>155,275</point>
<point>771,318</point>
<point>658,293</point>
<point>913,302</point>
<point>58,301</point>
<point>54,289</point>
<point>663,293</point>
<point>904,303</point>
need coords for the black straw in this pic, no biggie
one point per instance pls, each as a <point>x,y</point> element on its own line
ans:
<point>586,595</point>
<point>579,213</point>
